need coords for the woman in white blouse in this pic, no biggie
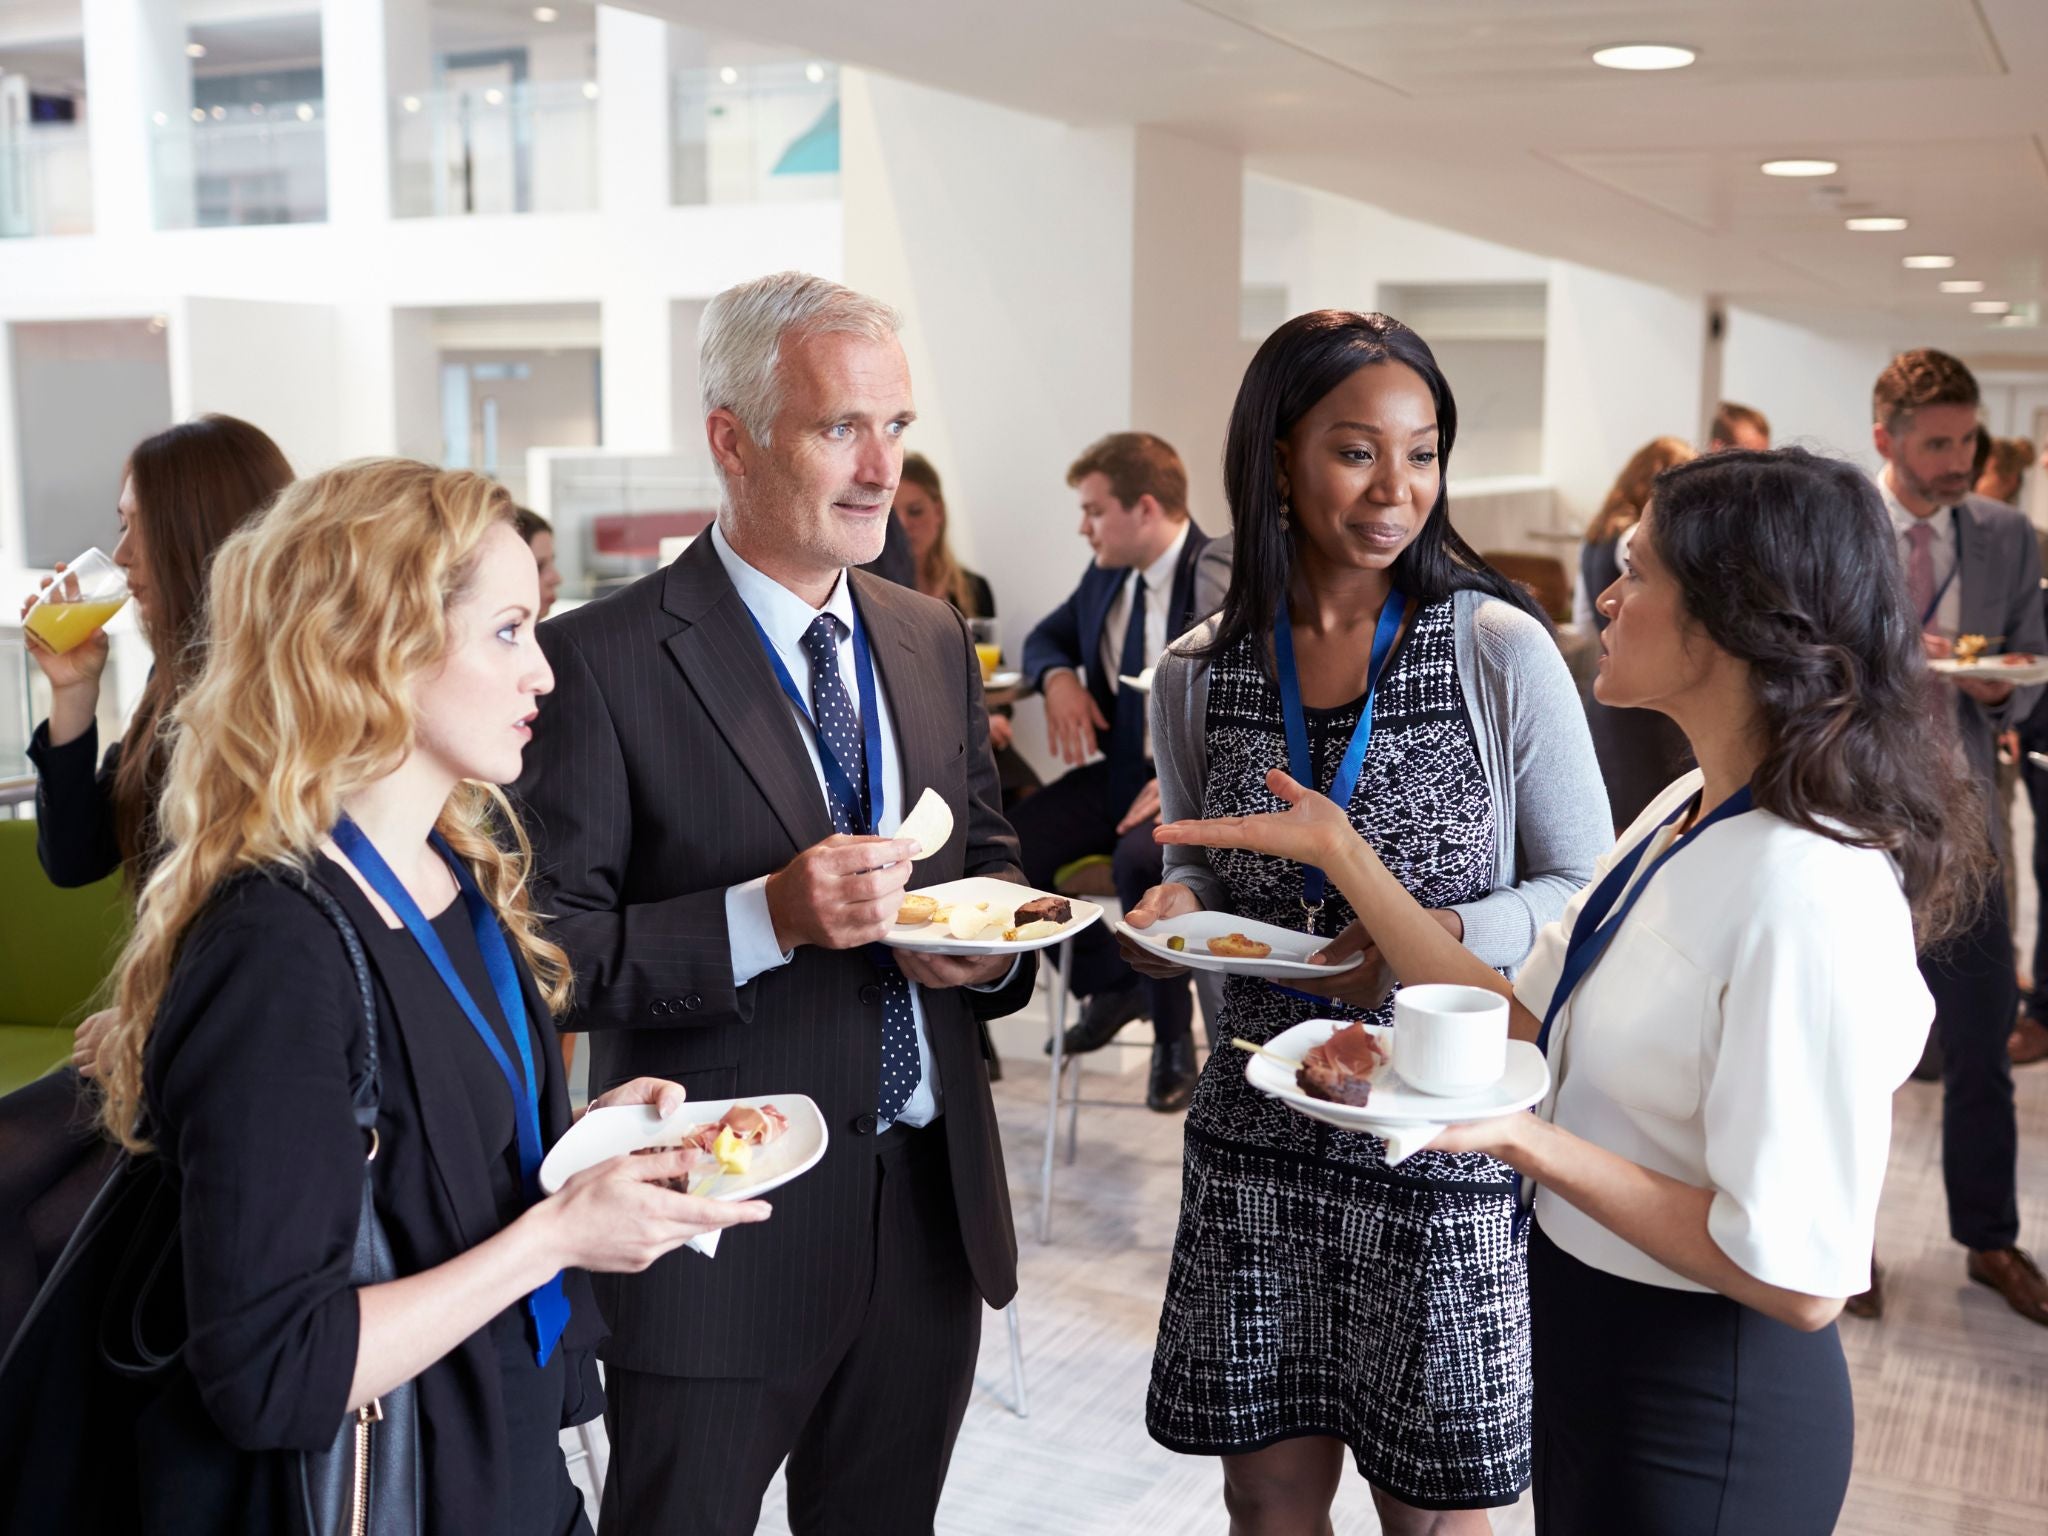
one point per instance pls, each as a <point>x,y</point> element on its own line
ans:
<point>1726,1032</point>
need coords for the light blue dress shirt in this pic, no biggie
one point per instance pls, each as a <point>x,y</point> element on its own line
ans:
<point>784,617</point>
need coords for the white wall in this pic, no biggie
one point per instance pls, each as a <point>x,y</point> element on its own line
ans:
<point>277,365</point>
<point>1622,364</point>
<point>1814,388</point>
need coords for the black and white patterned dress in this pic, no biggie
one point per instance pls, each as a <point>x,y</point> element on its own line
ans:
<point>1314,1290</point>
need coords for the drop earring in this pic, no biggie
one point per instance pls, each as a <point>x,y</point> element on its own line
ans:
<point>1285,509</point>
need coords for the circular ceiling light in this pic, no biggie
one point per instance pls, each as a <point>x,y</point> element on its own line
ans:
<point>1962,285</point>
<point>1799,167</point>
<point>1989,306</point>
<point>729,76</point>
<point>305,112</point>
<point>1886,225</point>
<point>1928,263</point>
<point>411,103</point>
<point>195,50</point>
<point>1643,56</point>
<point>590,90</point>
<point>815,73</point>
<point>546,13</point>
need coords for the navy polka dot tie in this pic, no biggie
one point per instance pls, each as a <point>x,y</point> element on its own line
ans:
<point>839,725</point>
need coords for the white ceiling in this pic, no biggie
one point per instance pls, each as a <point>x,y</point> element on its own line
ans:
<point>1488,117</point>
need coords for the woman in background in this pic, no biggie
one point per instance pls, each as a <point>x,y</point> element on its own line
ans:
<point>539,534</point>
<point>181,493</point>
<point>1640,751</point>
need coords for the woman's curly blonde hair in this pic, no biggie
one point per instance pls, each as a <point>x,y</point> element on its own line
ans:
<point>322,615</point>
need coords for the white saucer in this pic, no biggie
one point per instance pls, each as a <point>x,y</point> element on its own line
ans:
<point>1394,1104</point>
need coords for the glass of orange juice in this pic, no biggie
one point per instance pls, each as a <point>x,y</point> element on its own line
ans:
<point>988,645</point>
<point>72,609</point>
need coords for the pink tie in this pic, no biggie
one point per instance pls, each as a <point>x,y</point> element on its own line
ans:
<point>1920,571</point>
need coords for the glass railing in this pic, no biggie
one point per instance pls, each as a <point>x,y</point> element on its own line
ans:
<point>526,148</point>
<point>763,133</point>
<point>257,164</point>
<point>46,181</point>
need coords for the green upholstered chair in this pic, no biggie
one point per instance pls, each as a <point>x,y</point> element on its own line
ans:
<point>56,948</point>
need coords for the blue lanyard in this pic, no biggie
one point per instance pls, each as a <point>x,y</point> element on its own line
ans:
<point>548,1306</point>
<point>1313,881</point>
<point>870,726</point>
<point>1594,930</point>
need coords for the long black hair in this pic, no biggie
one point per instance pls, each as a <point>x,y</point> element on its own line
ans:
<point>1788,562</point>
<point>1295,368</point>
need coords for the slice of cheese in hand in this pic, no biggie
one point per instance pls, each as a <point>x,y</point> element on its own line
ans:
<point>929,824</point>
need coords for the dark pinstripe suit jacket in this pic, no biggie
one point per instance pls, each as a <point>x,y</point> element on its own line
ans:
<point>665,767</point>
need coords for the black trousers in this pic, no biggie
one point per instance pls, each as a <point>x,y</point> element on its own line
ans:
<point>2036,780</point>
<point>1679,1413</point>
<point>53,1160</point>
<point>1976,994</point>
<point>1070,819</point>
<point>868,1430</point>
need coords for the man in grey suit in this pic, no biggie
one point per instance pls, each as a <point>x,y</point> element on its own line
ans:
<point>1972,567</point>
<point>713,792</point>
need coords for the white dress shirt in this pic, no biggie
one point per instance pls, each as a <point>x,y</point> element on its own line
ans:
<point>1109,646</point>
<point>785,617</point>
<point>1744,1033</point>
<point>1948,612</point>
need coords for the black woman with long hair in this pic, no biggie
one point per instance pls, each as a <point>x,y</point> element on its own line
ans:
<point>1320,1299</point>
<point>1727,1010</point>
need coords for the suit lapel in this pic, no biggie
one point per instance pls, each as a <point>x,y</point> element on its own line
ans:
<point>1179,618</point>
<point>722,660</point>
<point>1980,601</point>
<point>910,679</point>
<point>1098,591</point>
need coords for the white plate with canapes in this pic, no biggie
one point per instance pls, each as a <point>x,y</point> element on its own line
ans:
<point>1001,682</point>
<point>1235,946</point>
<point>1142,682</point>
<point>2018,668</point>
<point>748,1146</point>
<point>1393,1104</point>
<point>984,916</point>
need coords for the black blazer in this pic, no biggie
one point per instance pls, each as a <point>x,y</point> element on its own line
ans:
<point>247,1081</point>
<point>665,768</point>
<point>1071,635</point>
<point>75,837</point>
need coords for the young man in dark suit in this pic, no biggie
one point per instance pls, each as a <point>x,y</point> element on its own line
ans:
<point>1154,577</point>
<point>1972,567</point>
<point>712,792</point>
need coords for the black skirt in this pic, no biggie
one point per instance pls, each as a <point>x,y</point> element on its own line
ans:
<point>1662,1412</point>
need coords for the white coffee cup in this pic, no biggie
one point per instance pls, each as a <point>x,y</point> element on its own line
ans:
<point>1450,1040</point>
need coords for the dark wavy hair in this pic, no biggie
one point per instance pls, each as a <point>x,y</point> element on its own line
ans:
<point>1788,562</point>
<point>1294,368</point>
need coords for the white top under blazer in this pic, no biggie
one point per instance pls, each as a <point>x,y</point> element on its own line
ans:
<point>1744,1032</point>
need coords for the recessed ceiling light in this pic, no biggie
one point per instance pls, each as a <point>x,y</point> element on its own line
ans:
<point>2015,320</point>
<point>1876,226</point>
<point>199,114</point>
<point>546,13</point>
<point>1643,56</point>
<point>411,103</point>
<point>160,118</point>
<point>1989,306</point>
<point>590,90</point>
<point>220,114</point>
<point>195,50</point>
<point>1962,285</point>
<point>305,112</point>
<point>729,76</point>
<point>494,96</point>
<point>1799,167</point>
<point>1929,263</point>
<point>815,73</point>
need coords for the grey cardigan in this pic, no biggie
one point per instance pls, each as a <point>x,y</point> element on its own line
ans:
<point>1550,815</point>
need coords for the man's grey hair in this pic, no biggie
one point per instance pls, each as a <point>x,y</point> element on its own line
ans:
<point>740,339</point>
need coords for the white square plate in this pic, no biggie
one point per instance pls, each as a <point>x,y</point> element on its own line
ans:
<point>2021,670</point>
<point>1395,1105</point>
<point>1002,896</point>
<point>1291,948</point>
<point>607,1133</point>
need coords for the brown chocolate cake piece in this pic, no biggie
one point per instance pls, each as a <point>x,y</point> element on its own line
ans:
<point>1044,909</point>
<point>1340,1069</point>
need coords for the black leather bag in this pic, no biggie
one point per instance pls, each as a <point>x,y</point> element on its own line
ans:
<point>368,1481</point>
<point>101,1351</point>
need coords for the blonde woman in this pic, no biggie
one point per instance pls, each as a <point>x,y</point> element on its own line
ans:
<point>372,677</point>
<point>1639,750</point>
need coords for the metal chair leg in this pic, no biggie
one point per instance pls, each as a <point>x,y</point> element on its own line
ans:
<point>1052,1109</point>
<point>1074,1114</point>
<point>1022,1407</point>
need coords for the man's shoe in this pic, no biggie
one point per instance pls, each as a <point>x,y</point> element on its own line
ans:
<point>1172,1082</point>
<point>2028,1042</point>
<point>2013,1273</point>
<point>1101,1017</point>
<point>1869,1304</point>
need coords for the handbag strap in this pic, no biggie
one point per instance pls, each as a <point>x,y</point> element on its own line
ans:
<point>369,1090</point>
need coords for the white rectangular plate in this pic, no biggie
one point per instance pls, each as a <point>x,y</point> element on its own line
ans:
<point>1291,948</point>
<point>1002,896</point>
<point>997,681</point>
<point>1394,1105</point>
<point>1997,669</point>
<point>609,1133</point>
